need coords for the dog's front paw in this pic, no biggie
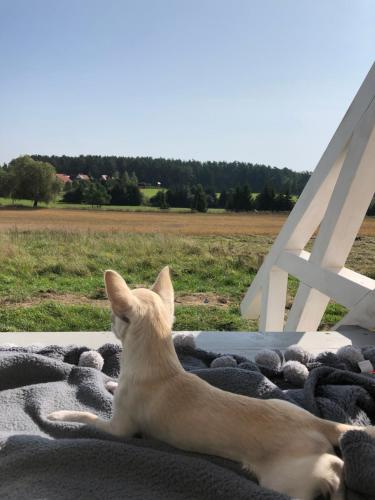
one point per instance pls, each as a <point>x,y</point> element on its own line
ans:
<point>111,386</point>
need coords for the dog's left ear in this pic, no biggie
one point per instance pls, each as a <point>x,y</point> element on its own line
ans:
<point>164,288</point>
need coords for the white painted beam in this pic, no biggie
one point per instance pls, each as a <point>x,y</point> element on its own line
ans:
<point>336,198</point>
<point>273,301</point>
<point>346,209</point>
<point>341,284</point>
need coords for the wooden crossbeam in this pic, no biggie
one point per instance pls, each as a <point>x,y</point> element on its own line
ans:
<point>340,284</point>
<point>336,199</point>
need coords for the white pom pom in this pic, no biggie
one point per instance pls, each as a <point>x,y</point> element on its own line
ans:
<point>224,362</point>
<point>297,353</point>
<point>91,359</point>
<point>295,372</point>
<point>268,358</point>
<point>184,340</point>
<point>350,353</point>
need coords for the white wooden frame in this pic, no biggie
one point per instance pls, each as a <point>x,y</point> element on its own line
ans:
<point>336,198</point>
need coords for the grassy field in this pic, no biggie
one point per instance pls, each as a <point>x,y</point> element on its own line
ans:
<point>149,192</point>
<point>134,222</point>
<point>52,279</point>
<point>156,222</point>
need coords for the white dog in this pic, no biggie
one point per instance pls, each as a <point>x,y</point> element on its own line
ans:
<point>287,448</point>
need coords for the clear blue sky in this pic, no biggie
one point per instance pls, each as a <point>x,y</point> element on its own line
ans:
<point>262,81</point>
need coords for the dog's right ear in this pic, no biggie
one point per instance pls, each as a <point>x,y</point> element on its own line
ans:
<point>119,294</point>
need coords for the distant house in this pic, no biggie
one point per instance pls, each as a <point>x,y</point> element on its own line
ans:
<point>63,178</point>
<point>82,177</point>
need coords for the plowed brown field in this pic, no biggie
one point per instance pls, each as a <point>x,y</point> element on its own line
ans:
<point>151,222</point>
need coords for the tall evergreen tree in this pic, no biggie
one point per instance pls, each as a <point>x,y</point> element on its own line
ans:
<point>211,198</point>
<point>200,199</point>
<point>134,179</point>
<point>117,191</point>
<point>125,179</point>
<point>283,202</point>
<point>222,202</point>
<point>230,195</point>
<point>162,200</point>
<point>241,200</point>
<point>181,198</point>
<point>133,195</point>
<point>266,199</point>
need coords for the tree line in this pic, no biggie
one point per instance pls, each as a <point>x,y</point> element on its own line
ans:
<point>171,173</point>
<point>26,178</point>
<point>124,190</point>
<point>240,199</point>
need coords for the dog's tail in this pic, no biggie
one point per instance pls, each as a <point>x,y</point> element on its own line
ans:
<point>84,417</point>
<point>333,430</point>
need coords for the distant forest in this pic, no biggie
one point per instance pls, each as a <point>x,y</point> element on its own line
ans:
<point>215,176</point>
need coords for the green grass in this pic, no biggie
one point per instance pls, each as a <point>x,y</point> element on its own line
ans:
<point>57,261</point>
<point>149,192</point>
<point>36,266</point>
<point>51,316</point>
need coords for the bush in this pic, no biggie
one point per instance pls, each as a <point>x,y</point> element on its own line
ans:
<point>160,200</point>
<point>75,193</point>
<point>95,194</point>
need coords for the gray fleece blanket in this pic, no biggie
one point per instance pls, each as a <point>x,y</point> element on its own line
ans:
<point>40,459</point>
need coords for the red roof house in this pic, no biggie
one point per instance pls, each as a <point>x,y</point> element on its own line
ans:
<point>63,178</point>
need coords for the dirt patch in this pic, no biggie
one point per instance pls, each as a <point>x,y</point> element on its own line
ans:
<point>202,299</point>
<point>64,298</point>
<point>192,299</point>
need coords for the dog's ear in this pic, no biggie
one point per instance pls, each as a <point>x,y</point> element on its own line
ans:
<point>164,288</point>
<point>119,294</point>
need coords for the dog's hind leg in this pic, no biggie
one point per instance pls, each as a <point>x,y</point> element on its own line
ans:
<point>305,477</point>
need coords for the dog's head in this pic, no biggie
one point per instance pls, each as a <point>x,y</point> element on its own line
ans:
<point>133,308</point>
